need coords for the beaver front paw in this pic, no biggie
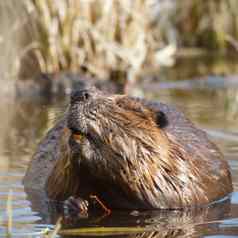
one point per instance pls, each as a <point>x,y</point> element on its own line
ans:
<point>76,207</point>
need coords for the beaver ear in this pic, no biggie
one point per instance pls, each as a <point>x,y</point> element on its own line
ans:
<point>161,119</point>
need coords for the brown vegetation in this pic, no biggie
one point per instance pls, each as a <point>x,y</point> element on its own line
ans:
<point>104,38</point>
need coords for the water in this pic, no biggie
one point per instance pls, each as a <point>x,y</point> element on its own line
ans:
<point>213,108</point>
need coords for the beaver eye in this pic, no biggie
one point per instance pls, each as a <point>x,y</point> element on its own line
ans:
<point>79,96</point>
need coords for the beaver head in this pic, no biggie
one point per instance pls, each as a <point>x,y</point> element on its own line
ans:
<point>125,143</point>
<point>115,125</point>
<point>94,113</point>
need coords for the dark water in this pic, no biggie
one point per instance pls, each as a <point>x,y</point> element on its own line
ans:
<point>212,107</point>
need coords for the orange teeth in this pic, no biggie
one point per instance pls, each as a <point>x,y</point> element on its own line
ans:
<point>77,137</point>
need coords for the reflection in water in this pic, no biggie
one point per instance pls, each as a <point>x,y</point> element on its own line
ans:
<point>170,223</point>
<point>156,223</point>
<point>4,125</point>
<point>23,123</point>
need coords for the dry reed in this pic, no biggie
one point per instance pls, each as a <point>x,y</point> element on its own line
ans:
<point>99,36</point>
<point>211,24</point>
<point>103,37</point>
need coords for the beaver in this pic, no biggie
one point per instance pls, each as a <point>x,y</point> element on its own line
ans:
<point>132,154</point>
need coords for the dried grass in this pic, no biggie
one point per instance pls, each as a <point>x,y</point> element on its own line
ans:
<point>211,24</point>
<point>9,43</point>
<point>9,213</point>
<point>101,36</point>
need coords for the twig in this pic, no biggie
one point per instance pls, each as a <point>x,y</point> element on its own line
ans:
<point>107,210</point>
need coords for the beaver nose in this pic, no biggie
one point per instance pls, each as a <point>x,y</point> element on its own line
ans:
<point>79,96</point>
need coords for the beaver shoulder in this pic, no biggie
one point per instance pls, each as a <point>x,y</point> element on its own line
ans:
<point>48,152</point>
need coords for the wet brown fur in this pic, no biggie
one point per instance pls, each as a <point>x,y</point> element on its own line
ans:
<point>143,165</point>
<point>61,182</point>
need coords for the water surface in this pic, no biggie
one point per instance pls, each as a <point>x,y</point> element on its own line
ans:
<point>212,106</point>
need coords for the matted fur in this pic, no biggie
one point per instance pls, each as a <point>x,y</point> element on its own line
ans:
<point>124,147</point>
<point>61,182</point>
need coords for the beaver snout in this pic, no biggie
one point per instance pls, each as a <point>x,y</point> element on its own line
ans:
<point>79,100</point>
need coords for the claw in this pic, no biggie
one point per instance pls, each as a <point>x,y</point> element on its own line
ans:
<point>76,206</point>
